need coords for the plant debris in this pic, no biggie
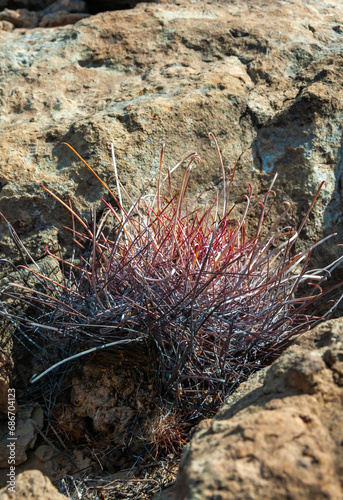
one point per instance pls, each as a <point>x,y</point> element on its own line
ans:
<point>163,310</point>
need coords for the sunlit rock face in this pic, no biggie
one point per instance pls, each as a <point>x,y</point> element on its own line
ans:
<point>264,77</point>
<point>280,435</point>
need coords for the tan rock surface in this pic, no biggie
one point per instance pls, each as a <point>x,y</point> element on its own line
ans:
<point>280,435</point>
<point>32,485</point>
<point>265,77</point>
<point>6,26</point>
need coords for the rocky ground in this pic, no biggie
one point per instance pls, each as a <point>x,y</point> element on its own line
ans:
<point>280,435</point>
<point>265,77</point>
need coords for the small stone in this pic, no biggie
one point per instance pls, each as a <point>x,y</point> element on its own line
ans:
<point>270,441</point>
<point>33,485</point>
<point>44,453</point>
<point>6,26</point>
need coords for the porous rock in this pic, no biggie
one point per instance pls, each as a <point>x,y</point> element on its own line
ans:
<point>32,485</point>
<point>280,435</point>
<point>263,76</point>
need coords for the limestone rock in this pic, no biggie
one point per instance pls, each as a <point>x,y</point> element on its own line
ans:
<point>280,435</point>
<point>44,453</point>
<point>32,485</point>
<point>263,76</point>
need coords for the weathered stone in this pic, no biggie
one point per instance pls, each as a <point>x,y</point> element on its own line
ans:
<point>32,485</point>
<point>21,18</point>
<point>44,453</point>
<point>265,77</point>
<point>171,73</point>
<point>280,435</point>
